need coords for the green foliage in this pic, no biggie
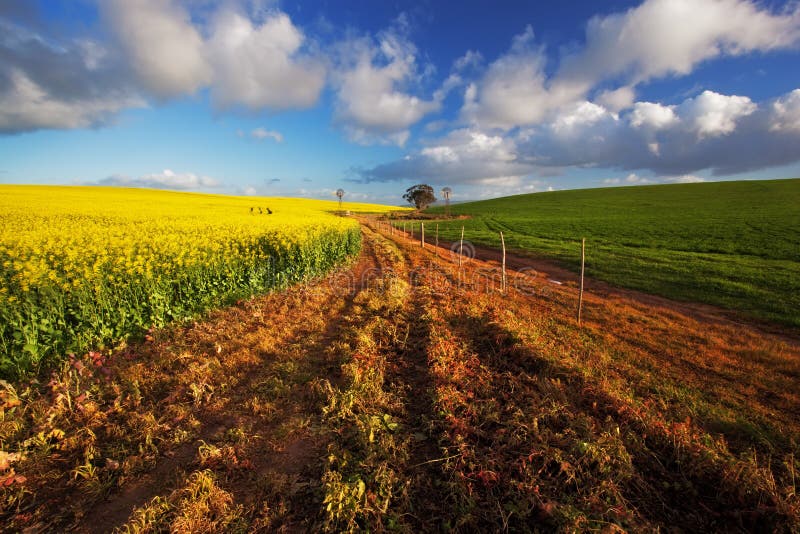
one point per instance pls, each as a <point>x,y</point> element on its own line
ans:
<point>420,195</point>
<point>44,325</point>
<point>731,244</point>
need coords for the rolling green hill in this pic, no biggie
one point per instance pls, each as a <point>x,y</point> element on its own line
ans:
<point>731,244</point>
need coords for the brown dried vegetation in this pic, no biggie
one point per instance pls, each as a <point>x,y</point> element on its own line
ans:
<point>401,393</point>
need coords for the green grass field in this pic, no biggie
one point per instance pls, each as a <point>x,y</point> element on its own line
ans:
<point>731,244</point>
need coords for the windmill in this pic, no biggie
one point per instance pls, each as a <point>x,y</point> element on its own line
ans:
<point>446,194</point>
<point>340,194</point>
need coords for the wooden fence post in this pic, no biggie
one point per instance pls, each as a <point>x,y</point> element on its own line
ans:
<point>437,235</point>
<point>580,294</point>
<point>422,234</point>
<point>503,242</point>
<point>461,247</point>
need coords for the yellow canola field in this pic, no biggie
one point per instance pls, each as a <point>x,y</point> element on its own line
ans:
<point>86,266</point>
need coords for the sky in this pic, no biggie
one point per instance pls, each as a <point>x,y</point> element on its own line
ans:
<point>289,98</point>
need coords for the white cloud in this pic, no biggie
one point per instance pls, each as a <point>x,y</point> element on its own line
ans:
<point>471,59</point>
<point>725,134</point>
<point>262,66</point>
<point>714,114</point>
<point>349,196</point>
<point>651,115</point>
<point>50,83</point>
<point>618,99</point>
<point>579,116</point>
<point>25,105</point>
<point>254,65</point>
<point>512,92</point>
<point>631,179</point>
<point>165,49</point>
<point>165,179</point>
<point>664,37</point>
<point>634,178</point>
<point>463,156</point>
<point>263,133</point>
<point>683,179</point>
<point>656,39</point>
<point>786,112</point>
<point>720,134</point>
<point>371,87</point>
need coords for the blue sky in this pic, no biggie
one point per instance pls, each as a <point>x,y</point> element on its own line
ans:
<point>300,98</point>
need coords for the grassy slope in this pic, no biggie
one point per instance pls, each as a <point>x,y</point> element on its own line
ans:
<point>731,244</point>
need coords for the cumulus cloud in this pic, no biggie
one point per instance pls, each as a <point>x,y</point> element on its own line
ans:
<point>157,51</point>
<point>262,133</point>
<point>656,39</point>
<point>46,83</point>
<point>254,65</point>
<point>618,99</point>
<point>721,134</point>
<point>786,113</point>
<point>631,179</point>
<point>165,179</point>
<point>463,156</point>
<point>513,90</point>
<point>26,106</point>
<point>652,116</point>
<point>262,66</point>
<point>373,81</point>
<point>578,117</point>
<point>165,49</point>
<point>715,114</point>
<point>664,37</point>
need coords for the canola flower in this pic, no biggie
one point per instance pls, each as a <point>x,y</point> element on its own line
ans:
<point>83,267</point>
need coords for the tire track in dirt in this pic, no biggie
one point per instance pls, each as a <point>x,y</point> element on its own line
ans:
<point>412,395</point>
<point>409,373</point>
<point>691,491</point>
<point>397,472</point>
<point>456,478</point>
<point>302,341</point>
<point>749,361</point>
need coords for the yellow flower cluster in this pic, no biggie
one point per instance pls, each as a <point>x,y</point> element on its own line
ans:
<point>155,247</point>
<point>69,236</point>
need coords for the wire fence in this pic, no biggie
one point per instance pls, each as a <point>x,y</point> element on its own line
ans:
<point>463,251</point>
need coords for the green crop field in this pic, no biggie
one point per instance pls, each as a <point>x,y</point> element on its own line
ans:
<point>731,244</point>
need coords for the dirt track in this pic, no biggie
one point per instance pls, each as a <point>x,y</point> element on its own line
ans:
<point>403,392</point>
